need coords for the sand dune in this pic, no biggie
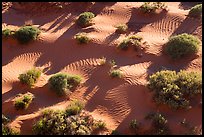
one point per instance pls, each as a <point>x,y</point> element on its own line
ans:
<point>116,101</point>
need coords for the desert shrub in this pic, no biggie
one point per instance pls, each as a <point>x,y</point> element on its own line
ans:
<point>30,77</point>
<point>102,61</point>
<point>74,108</point>
<point>63,83</point>
<point>151,7</point>
<point>99,125</point>
<point>159,123</point>
<point>115,132</point>
<point>26,34</point>
<point>59,123</point>
<point>173,88</point>
<point>121,28</point>
<point>6,130</point>
<point>7,33</point>
<point>82,38</point>
<point>115,73</point>
<point>132,41</point>
<point>134,124</point>
<point>23,101</point>
<point>196,11</point>
<point>182,45</point>
<point>112,63</point>
<point>85,19</point>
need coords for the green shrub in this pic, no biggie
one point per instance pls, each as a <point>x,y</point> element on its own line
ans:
<point>102,61</point>
<point>82,38</point>
<point>30,77</point>
<point>99,125</point>
<point>159,123</point>
<point>63,83</point>
<point>26,34</point>
<point>85,18</point>
<point>23,101</point>
<point>173,88</point>
<point>196,11</point>
<point>74,108</point>
<point>182,45</point>
<point>6,130</point>
<point>151,7</point>
<point>134,41</point>
<point>115,73</point>
<point>121,28</point>
<point>115,132</point>
<point>7,33</point>
<point>59,123</point>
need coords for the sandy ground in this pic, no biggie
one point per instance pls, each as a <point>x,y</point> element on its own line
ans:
<point>116,101</point>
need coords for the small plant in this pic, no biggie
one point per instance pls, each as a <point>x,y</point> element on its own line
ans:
<point>6,33</point>
<point>151,7</point>
<point>26,34</point>
<point>6,130</point>
<point>74,108</point>
<point>182,45</point>
<point>121,28</point>
<point>112,63</point>
<point>102,61</point>
<point>134,124</point>
<point>196,11</point>
<point>159,123</point>
<point>115,132</point>
<point>85,19</point>
<point>99,124</point>
<point>5,120</point>
<point>63,83</point>
<point>115,73</point>
<point>82,38</point>
<point>23,101</point>
<point>132,41</point>
<point>30,77</point>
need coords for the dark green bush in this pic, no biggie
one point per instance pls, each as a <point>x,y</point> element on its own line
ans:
<point>26,34</point>
<point>5,120</point>
<point>82,38</point>
<point>182,45</point>
<point>132,41</point>
<point>134,124</point>
<point>151,7</point>
<point>196,11</point>
<point>23,101</point>
<point>121,28</point>
<point>74,108</point>
<point>30,77</point>
<point>63,83</point>
<point>85,18</point>
<point>115,73</point>
<point>99,125</point>
<point>173,88</point>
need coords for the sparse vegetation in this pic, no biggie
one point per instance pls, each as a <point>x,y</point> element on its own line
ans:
<point>99,125</point>
<point>121,28</point>
<point>82,38</point>
<point>23,101</point>
<point>159,124</point>
<point>182,45</point>
<point>30,77</point>
<point>63,83</point>
<point>102,61</point>
<point>6,33</point>
<point>196,11</point>
<point>85,19</point>
<point>174,89</point>
<point>115,73</point>
<point>6,129</point>
<point>134,124</point>
<point>151,7</point>
<point>59,123</point>
<point>26,34</point>
<point>132,41</point>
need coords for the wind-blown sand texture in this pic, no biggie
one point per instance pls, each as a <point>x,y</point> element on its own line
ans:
<point>116,101</point>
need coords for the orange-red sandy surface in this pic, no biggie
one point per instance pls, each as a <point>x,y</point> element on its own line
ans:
<point>116,101</point>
